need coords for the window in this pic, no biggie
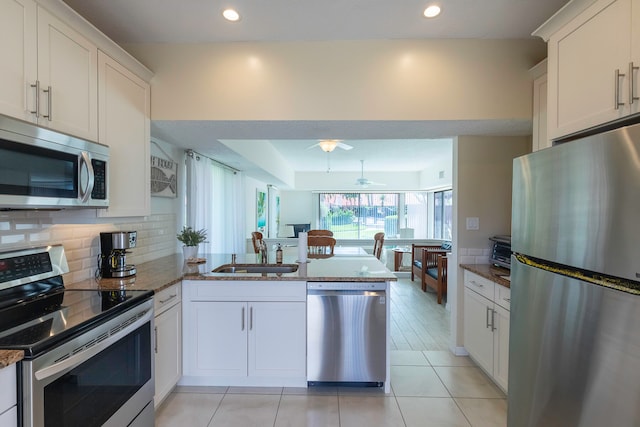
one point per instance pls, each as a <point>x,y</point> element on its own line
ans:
<point>442,215</point>
<point>359,215</point>
<point>419,215</point>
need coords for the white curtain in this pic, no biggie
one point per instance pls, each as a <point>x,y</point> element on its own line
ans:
<point>215,202</point>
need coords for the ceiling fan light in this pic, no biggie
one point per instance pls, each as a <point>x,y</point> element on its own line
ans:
<point>328,145</point>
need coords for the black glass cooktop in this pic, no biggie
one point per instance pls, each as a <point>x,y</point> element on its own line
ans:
<point>37,316</point>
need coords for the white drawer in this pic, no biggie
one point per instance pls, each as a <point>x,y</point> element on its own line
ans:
<point>479,284</point>
<point>167,298</point>
<point>503,297</point>
<point>240,290</point>
<point>7,388</point>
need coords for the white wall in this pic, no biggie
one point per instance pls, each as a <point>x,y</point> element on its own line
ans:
<point>297,207</point>
<point>481,189</point>
<point>342,80</point>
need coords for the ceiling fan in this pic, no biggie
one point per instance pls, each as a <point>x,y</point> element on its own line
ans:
<point>328,145</point>
<point>362,181</point>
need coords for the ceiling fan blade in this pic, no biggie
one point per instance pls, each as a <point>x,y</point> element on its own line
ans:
<point>362,181</point>
<point>344,146</point>
<point>313,146</point>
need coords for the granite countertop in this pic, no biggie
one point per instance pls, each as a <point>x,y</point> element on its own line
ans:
<point>9,357</point>
<point>488,271</point>
<point>159,274</point>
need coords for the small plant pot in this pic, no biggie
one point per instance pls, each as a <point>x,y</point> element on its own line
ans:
<point>190,252</point>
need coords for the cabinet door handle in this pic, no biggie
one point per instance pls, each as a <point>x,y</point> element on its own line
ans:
<point>487,318</point>
<point>632,83</point>
<point>155,344</point>
<point>617,103</point>
<point>49,96</point>
<point>493,320</point>
<point>168,299</point>
<point>242,319</point>
<point>251,318</point>
<point>37,103</point>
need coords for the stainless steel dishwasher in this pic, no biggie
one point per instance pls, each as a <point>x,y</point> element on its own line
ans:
<point>346,332</point>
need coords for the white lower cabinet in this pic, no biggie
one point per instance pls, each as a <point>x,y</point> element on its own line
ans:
<point>168,341</point>
<point>238,333</point>
<point>8,397</point>
<point>486,326</point>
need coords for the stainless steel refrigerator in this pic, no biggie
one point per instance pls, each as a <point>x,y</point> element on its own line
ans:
<point>574,345</point>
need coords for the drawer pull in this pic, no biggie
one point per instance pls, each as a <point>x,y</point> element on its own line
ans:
<point>474,283</point>
<point>507,299</point>
<point>162,301</point>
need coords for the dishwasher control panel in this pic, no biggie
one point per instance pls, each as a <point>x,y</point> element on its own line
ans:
<point>347,286</point>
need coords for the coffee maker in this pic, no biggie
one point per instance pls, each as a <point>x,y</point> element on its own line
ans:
<point>113,246</point>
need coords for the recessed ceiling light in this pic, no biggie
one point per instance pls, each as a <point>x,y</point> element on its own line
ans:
<point>231,15</point>
<point>432,11</point>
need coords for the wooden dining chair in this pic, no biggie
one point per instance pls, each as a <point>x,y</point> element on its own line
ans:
<point>320,233</point>
<point>322,245</point>
<point>256,239</point>
<point>378,241</point>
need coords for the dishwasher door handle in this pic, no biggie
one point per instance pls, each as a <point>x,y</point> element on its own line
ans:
<point>331,293</point>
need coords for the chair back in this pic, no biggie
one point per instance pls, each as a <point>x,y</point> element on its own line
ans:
<point>321,245</point>
<point>256,239</point>
<point>320,233</point>
<point>378,241</point>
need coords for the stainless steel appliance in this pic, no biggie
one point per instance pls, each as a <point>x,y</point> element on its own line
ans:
<point>113,253</point>
<point>346,332</point>
<point>40,168</point>
<point>501,251</point>
<point>88,358</point>
<point>574,355</point>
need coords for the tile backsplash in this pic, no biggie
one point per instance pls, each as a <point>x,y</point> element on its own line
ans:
<point>474,255</point>
<point>22,229</point>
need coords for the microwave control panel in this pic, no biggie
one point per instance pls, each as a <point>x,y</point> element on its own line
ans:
<point>100,180</point>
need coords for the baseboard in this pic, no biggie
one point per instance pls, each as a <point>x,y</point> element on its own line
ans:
<point>459,351</point>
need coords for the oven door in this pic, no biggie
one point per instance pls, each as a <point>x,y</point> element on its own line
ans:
<point>102,378</point>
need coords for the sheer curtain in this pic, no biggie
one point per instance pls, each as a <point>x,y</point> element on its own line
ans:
<point>215,202</point>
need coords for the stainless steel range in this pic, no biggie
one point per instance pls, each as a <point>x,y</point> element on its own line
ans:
<point>88,359</point>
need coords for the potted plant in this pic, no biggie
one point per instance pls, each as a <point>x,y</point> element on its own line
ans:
<point>191,239</point>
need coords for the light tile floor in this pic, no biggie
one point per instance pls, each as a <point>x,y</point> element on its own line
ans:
<point>430,386</point>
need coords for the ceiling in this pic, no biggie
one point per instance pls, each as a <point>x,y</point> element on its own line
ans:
<point>406,146</point>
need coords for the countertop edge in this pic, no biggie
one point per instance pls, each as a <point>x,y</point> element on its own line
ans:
<point>490,272</point>
<point>10,357</point>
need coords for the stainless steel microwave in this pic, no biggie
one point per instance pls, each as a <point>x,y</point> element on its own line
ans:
<point>41,168</point>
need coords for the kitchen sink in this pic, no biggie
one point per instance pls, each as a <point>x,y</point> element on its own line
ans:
<point>256,268</point>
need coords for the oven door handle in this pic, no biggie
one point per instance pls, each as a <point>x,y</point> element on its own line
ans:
<point>87,354</point>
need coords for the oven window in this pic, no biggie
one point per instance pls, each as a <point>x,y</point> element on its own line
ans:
<point>92,392</point>
<point>34,171</point>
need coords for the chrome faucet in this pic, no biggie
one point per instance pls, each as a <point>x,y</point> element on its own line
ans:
<point>233,258</point>
<point>263,253</point>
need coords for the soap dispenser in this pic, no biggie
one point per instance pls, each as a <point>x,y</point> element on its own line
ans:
<point>279,254</point>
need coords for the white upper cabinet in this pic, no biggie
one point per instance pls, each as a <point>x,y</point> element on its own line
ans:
<point>67,78</point>
<point>125,127</point>
<point>49,71</point>
<point>19,62</point>
<point>592,69</point>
